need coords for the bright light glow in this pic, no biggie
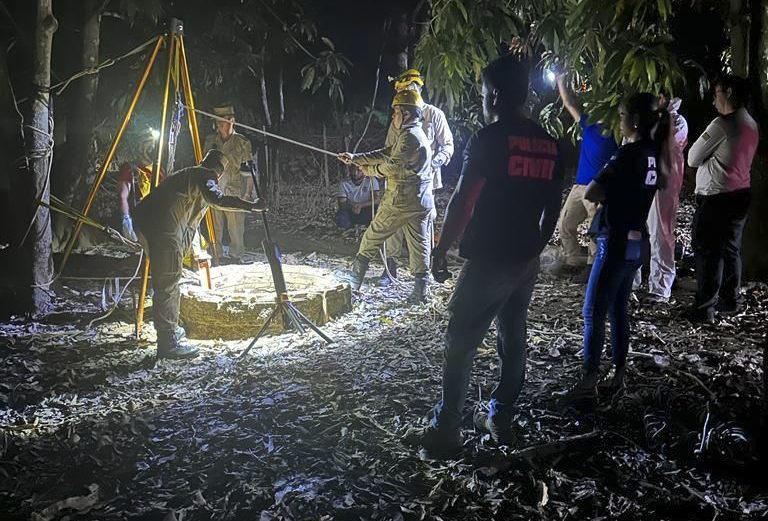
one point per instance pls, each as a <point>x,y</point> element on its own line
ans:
<point>155,133</point>
<point>551,76</point>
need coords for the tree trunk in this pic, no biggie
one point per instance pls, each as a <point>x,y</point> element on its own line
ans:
<point>281,94</point>
<point>326,176</point>
<point>82,119</point>
<point>263,82</point>
<point>39,140</point>
<point>756,232</point>
<point>739,26</point>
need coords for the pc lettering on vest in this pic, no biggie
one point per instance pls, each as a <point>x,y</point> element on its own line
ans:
<point>525,157</point>
<point>651,177</point>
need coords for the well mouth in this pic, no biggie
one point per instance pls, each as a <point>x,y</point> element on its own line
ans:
<point>243,297</point>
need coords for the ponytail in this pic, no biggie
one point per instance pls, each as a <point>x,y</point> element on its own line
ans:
<point>660,136</point>
<point>653,123</point>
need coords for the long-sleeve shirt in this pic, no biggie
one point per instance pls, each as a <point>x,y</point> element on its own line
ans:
<point>406,161</point>
<point>508,196</point>
<point>678,139</point>
<point>238,150</point>
<point>175,208</point>
<point>723,153</point>
<point>440,139</point>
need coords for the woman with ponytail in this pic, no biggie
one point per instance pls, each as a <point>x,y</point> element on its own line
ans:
<point>625,188</point>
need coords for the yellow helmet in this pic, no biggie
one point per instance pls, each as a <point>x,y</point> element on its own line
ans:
<point>408,97</point>
<point>408,77</point>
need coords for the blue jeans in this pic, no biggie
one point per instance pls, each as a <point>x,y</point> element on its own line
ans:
<point>486,290</point>
<point>608,289</point>
<point>346,219</point>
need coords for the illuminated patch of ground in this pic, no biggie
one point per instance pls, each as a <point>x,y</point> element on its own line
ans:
<point>243,297</point>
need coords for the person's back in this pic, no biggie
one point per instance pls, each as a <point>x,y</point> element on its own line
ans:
<point>174,205</point>
<point>724,157</point>
<point>520,163</point>
<point>629,189</point>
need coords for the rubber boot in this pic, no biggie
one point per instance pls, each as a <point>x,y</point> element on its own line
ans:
<point>386,279</point>
<point>169,347</point>
<point>419,293</point>
<point>357,274</point>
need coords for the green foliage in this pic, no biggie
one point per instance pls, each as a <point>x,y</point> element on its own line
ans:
<point>327,69</point>
<point>461,38</point>
<point>152,10</point>
<point>270,35</point>
<point>609,48</point>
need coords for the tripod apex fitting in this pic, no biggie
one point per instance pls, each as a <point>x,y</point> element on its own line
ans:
<point>176,26</point>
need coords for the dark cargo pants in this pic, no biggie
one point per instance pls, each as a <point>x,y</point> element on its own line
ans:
<point>718,225</point>
<point>165,261</point>
<point>486,290</point>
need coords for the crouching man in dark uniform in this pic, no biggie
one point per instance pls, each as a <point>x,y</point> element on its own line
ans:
<point>508,199</point>
<point>165,223</point>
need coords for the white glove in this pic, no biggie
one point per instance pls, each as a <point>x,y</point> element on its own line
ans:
<point>197,249</point>
<point>128,232</point>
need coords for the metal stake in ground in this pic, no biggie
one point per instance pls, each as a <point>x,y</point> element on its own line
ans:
<point>293,319</point>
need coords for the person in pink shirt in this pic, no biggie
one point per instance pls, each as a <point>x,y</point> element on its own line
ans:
<point>723,157</point>
<point>662,219</point>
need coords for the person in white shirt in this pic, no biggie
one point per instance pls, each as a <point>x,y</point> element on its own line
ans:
<point>662,219</point>
<point>355,200</point>
<point>723,157</point>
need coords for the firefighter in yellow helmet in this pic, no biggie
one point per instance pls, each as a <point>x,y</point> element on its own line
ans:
<point>408,202</point>
<point>440,139</point>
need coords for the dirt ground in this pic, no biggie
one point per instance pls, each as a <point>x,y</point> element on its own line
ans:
<point>93,427</point>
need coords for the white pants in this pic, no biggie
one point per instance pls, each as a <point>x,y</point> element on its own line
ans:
<point>662,221</point>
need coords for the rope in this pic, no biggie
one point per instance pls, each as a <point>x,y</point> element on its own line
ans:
<point>40,154</point>
<point>59,206</point>
<point>120,296</point>
<point>264,132</point>
<point>62,85</point>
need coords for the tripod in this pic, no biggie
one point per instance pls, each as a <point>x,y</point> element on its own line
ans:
<point>293,319</point>
<point>178,72</point>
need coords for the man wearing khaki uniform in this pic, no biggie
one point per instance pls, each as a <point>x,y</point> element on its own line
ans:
<point>440,139</point>
<point>408,202</point>
<point>237,149</point>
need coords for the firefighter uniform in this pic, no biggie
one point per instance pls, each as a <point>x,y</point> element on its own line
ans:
<point>408,201</point>
<point>233,183</point>
<point>166,221</point>
<point>439,136</point>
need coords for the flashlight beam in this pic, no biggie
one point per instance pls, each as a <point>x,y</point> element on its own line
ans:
<point>264,132</point>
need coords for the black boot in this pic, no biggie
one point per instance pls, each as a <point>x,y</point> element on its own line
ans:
<point>612,384</point>
<point>419,293</point>
<point>169,347</point>
<point>387,278</point>
<point>583,395</point>
<point>357,274</point>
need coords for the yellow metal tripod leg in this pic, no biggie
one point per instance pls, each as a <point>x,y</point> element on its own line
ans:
<point>110,154</point>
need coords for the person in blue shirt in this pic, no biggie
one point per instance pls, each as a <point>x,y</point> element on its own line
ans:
<point>624,189</point>
<point>597,147</point>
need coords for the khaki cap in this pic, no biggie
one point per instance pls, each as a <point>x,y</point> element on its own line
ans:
<point>224,111</point>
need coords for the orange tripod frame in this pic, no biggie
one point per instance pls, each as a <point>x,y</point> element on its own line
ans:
<point>178,73</point>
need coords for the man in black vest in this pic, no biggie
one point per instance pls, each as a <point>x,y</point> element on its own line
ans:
<point>506,206</point>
